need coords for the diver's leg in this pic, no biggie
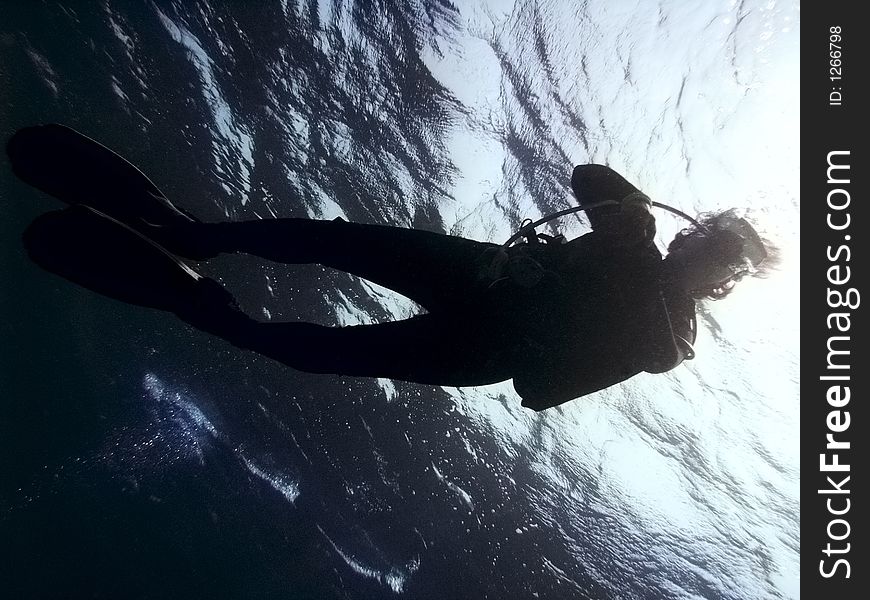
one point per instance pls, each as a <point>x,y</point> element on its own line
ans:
<point>422,349</point>
<point>433,269</point>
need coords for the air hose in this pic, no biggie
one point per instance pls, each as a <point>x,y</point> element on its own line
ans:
<point>526,230</point>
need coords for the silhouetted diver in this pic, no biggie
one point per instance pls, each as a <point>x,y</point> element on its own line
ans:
<point>562,319</point>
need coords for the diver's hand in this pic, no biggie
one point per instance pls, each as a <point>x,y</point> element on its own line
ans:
<point>636,200</point>
<point>638,219</point>
<point>633,225</point>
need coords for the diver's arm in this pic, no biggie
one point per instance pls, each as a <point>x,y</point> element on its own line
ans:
<point>553,384</point>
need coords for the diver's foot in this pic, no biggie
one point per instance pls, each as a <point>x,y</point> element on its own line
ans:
<point>79,170</point>
<point>106,256</point>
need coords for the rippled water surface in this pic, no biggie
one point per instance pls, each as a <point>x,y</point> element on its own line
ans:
<point>145,459</point>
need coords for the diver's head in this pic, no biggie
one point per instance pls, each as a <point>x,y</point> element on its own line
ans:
<point>707,259</point>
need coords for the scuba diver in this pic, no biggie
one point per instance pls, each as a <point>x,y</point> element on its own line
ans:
<point>562,319</point>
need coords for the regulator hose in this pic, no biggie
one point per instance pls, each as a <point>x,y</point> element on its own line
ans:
<point>527,229</point>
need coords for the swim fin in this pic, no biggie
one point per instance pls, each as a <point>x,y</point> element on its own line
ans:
<point>79,170</point>
<point>106,256</point>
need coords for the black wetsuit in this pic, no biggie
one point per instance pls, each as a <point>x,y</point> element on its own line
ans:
<point>601,313</point>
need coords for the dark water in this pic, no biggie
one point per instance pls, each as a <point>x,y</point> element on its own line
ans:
<point>100,496</point>
<point>143,459</point>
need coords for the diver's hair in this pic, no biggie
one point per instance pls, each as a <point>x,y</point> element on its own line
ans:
<point>726,243</point>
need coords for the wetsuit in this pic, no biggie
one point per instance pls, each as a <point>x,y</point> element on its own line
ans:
<point>600,313</point>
